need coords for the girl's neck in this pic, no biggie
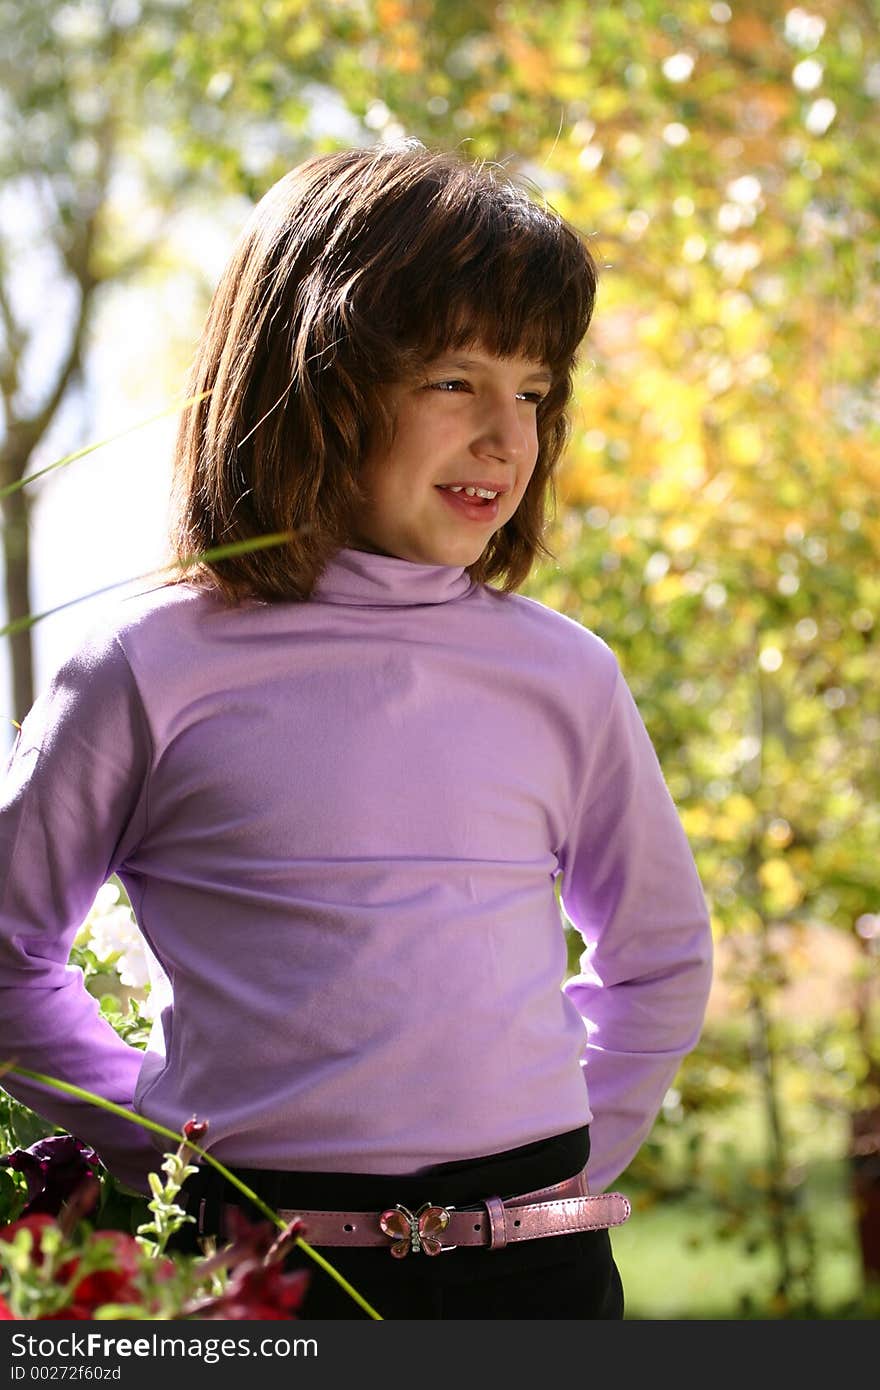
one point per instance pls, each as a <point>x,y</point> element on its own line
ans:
<point>368,578</point>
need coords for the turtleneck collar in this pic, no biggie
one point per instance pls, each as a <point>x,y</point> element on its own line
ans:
<point>384,581</point>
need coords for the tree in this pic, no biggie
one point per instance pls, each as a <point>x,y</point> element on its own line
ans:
<point>107,105</point>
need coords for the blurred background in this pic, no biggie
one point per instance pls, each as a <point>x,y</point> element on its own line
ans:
<point>718,520</point>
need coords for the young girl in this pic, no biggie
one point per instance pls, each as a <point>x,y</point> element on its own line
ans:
<point>340,776</point>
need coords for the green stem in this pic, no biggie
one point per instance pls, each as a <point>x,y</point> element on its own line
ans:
<point>90,448</point>
<point>220,552</point>
<point>341,1281</point>
<point>81,1094</point>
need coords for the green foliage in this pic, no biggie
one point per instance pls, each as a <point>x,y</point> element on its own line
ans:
<point>19,1126</point>
<point>129,1022</point>
<point>166,1215</point>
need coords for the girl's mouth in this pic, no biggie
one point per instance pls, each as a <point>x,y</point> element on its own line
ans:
<point>480,509</point>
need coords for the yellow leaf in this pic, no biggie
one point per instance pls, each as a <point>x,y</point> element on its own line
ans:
<point>669,588</point>
<point>696,821</point>
<point>744,443</point>
<point>782,888</point>
<point>740,808</point>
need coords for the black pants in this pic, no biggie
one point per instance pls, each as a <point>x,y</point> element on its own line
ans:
<point>570,1276</point>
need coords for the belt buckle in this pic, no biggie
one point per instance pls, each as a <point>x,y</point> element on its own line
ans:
<point>416,1232</point>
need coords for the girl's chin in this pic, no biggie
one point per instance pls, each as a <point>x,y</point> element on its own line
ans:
<point>451,552</point>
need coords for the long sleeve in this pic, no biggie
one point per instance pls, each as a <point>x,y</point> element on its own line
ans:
<point>630,886</point>
<point>71,803</point>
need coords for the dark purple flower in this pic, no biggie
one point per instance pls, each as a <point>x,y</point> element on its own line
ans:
<point>53,1169</point>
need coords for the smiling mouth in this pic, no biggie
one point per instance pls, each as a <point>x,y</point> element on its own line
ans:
<point>486,490</point>
<point>471,508</point>
<point>487,494</point>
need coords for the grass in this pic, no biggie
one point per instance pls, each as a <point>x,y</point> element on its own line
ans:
<point>709,1254</point>
<point>674,1265</point>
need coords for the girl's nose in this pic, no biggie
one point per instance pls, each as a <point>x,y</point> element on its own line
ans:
<point>507,431</point>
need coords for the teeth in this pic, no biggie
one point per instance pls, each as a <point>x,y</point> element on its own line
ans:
<point>472,491</point>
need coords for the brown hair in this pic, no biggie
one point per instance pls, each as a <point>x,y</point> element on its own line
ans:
<point>354,271</point>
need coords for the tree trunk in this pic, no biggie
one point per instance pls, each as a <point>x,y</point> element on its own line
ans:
<point>865,1171</point>
<point>777,1162</point>
<point>17,573</point>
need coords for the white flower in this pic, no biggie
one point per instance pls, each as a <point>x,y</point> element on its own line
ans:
<point>160,994</point>
<point>111,932</point>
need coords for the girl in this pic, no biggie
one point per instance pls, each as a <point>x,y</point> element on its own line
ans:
<point>341,774</point>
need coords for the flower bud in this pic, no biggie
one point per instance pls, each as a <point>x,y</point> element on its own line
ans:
<point>195,1130</point>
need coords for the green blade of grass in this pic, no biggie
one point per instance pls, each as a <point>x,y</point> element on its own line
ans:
<point>220,552</point>
<point>91,448</point>
<point>80,1093</point>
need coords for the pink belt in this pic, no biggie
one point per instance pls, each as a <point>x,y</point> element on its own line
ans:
<point>559,1210</point>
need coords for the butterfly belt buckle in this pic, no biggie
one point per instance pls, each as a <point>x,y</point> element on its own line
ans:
<point>415,1231</point>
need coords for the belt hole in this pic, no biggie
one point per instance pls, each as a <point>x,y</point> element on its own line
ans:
<point>348,1226</point>
<point>477,1227</point>
<point>516,1223</point>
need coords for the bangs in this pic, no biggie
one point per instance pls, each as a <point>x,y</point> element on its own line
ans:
<point>471,259</point>
<point>513,296</point>
<point>508,307</point>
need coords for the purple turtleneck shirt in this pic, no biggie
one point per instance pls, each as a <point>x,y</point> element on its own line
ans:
<point>341,824</point>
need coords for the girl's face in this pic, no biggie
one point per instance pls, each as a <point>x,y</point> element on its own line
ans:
<point>471,424</point>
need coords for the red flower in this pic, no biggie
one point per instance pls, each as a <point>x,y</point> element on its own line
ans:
<point>117,1282</point>
<point>6,1313</point>
<point>256,1291</point>
<point>36,1224</point>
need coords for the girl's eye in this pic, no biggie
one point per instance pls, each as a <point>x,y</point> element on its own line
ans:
<point>533,397</point>
<point>454,385</point>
